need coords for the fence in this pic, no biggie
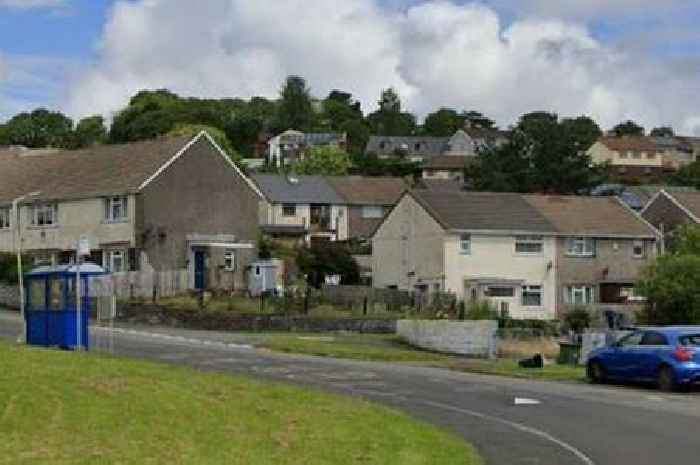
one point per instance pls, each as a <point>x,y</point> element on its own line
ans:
<point>150,284</point>
<point>390,300</point>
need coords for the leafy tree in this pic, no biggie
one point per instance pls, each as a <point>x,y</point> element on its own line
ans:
<point>478,120</point>
<point>688,175</point>
<point>148,115</point>
<point>4,135</point>
<point>628,128</point>
<point>663,131</point>
<point>40,128</point>
<point>324,160</point>
<point>672,289</point>
<point>295,110</point>
<point>358,132</point>
<point>339,109</point>
<point>389,120</point>
<point>90,131</point>
<point>583,129</point>
<point>443,123</point>
<point>686,240</point>
<point>247,121</point>
<point>541,156</point>
<point>325,259</point>
<point>219,136</point>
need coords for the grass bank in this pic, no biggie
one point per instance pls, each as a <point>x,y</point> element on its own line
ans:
<point>390,348</point>
<point>65,408</point>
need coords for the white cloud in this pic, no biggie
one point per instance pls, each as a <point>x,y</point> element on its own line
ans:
<point>586,9</point>
<point>435,53</point>
<point>27,4</point>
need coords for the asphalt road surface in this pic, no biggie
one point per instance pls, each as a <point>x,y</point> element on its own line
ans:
<point>567,424</point>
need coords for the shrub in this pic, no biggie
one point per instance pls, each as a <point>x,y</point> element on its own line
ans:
<point>577,319</point>
<point>8,267</point>
<point>482,310</point>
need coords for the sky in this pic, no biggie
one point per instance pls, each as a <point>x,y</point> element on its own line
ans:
<point>611,60</point>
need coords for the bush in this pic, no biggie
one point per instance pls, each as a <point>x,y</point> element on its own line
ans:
<point>8,267</point>
<point>672,288</point>
<point>577,319</point>
<point>482,310</point>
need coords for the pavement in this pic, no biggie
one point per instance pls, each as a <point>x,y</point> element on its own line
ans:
<point>510,421</point>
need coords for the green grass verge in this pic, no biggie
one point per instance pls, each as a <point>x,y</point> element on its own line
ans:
<point>66,408</point>
<point>389,348</point>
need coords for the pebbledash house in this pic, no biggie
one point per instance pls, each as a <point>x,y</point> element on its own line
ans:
<point>169,204</point>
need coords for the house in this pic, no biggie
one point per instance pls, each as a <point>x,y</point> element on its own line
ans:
<point>301,208</point>
<point>167,204</point>
<point>669,210</point>
<point>641,158</point>
<point>367,199</point>
<point>446,167</point>
<point>288,147</point>
<point>531,256</point>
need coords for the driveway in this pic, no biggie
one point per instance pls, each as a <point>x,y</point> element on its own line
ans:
<point>551,423</point>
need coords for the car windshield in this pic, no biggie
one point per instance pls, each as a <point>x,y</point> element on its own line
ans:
<point>690,340</point>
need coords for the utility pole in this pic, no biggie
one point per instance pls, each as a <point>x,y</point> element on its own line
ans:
<point>17,243</point>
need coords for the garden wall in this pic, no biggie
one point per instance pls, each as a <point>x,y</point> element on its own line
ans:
<point>9,296</point>
<point>472,338</point>
<point>224,321</point>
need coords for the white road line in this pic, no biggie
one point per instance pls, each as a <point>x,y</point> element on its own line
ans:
<point>526,401</point>
<point>520,427</point>
<point>179,339</point>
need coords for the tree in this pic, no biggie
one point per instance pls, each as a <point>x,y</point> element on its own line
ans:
<point>358,133</point>
<point>663,131</point>
<point>688,175</point>
<point>4,135</point>
<point>542,155</point>
<point>628,128</point>
<point>686,240</point>
<point>672,289</point>
<point>389,120</point>
<point>89,131</point>
<point>219,136</point>
<point>148,115</point>
<point>339,109</point>
<point>443,123</point>
<point>478,120</point>
<point>295,110</point>
<point>584,130</point>
<point>325,160</point>
<point>40,128</point>
<point>325,259</point>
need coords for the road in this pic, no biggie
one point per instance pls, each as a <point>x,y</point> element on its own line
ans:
<point>570,424</point>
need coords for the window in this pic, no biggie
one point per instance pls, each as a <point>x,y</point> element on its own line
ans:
<point>36,298</point>
<point>465,244</point>
<point>692,340</point>
<point>633,339</point>
<point>500,291</point>
<point>115,261</point>
<point>45,215</point>
<point>652,338</point>
<point>580,247</point>
<point>56,294</point>
<point>116,209</point>
<point>289,209</point>
<point>529,244</point>
<point>416,146</point>
<point>4,218</point>
<point>532,296</point>
<point>579,295</point>
<point>230,260</point>
<point>372,212</point>
<point>638,249</point>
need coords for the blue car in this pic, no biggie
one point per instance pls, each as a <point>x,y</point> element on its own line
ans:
<point>666,356</point>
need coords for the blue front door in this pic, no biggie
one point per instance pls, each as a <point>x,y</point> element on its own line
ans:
<point>200,281</point>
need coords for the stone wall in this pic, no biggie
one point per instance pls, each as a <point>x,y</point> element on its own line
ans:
<point>9,296</point>
<point>221,321</point>
<point>472,338</point>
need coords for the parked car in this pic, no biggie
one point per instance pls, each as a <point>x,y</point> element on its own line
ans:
<point>666,356</point>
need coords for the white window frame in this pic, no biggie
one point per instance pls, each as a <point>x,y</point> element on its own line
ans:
<point>496,286</point>
<point>586,292</point>
<point>532,289</point>
<point>44,211</point>
<point>110,257</point>
<point>529,240</point>
<point>580,247</point>
<point>5,222</point>
<point>372,212</point>
<point>289,205</point>
<point>111,204</point>
<point>465,244</point>
<point>638,244</point>
<point>230,260</point>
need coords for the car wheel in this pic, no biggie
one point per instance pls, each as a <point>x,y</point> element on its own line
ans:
<point>596,373</point>
<point>666,379</point>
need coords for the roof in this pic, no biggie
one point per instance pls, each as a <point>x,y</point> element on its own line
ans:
<point>529,213</point>
<point>448,162</point>
<point>359,190</point>
<point>482,211</point>
<point>92,172</point>
<point>297,189</point>
<point>629,143</point>
<point>646,192</point>
<point>689,200</point>
<point>413,145</point>
<point>440,184</point>
<point>590,216</point>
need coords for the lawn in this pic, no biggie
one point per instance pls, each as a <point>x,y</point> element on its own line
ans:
<point>389,348</point>
<point>66,408</point>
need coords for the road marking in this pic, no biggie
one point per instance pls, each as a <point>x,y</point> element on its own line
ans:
<point>168,337</point>
<point>526,401</point>
<point>520,427</point>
